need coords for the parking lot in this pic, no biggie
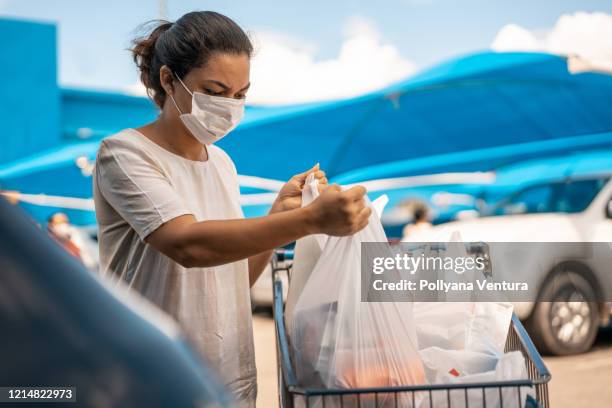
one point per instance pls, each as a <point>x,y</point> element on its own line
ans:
<point>577,381</point>
<point>583,380</point>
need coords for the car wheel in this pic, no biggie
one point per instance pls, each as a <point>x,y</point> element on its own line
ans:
<point>568,320</point>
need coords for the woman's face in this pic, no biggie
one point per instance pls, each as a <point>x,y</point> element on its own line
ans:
<point>225,75</point>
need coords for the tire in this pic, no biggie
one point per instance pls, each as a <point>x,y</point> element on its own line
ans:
<point>566,323</point>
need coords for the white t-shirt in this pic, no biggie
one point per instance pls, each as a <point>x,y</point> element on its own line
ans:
<point>138,186</point>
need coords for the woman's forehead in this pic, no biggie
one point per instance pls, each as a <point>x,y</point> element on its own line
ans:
<point>230,69</point>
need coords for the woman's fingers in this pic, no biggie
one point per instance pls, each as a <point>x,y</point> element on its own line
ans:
<point>363,218</point>
<point>364,214</point>
<point>334,187</point>
<point>301,178</point>
<point>355,193</point>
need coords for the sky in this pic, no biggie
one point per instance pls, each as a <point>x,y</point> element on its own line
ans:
<point>320,49</point>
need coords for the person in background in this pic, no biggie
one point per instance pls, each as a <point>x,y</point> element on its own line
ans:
<point>421,217</point>
<point>70,238</point>
<point>167,197</point>
<point>60,230</point>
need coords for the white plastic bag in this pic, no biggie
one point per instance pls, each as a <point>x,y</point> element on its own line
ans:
<point>442,364</point>
<point>511,366</point>
<point>463,342</point>
<point>337,341</point>
<point>308,250</point>
<point>473,326</point>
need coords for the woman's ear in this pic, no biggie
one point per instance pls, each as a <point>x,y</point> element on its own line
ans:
<point>166,78</point>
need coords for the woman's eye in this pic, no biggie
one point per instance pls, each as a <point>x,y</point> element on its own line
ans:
<point>213,93</point>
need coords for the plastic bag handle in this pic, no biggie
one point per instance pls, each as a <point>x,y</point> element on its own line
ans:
<point>311,191</point>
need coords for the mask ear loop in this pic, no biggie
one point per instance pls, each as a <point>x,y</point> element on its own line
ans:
<point>177,108</point>
<point>187,89</point>
<point>181,81</point>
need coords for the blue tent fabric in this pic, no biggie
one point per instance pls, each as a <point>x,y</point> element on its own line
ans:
<point>479,159</point>
<point>473,113</point>
<point>483,100</point>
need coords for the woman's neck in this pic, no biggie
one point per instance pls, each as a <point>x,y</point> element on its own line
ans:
<point>171,134</point>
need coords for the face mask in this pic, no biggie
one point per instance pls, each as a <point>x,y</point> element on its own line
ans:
<point>62,230</point>
<point>211,117</point>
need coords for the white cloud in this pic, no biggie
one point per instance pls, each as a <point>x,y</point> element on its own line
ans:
<point>137,88</point>
<point>285,70</point>
<point>587,35</point>
<point>513,37</point>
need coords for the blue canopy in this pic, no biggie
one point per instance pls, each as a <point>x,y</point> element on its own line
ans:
<point>480,101</point>
<point>473,113</point>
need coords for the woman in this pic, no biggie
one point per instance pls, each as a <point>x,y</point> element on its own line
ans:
<point>167,198</point>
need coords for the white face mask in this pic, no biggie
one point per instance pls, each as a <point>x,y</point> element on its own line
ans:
<point>62,230</point>
<point>211,117</point>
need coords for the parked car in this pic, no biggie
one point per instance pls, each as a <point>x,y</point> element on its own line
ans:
<point>577,208</point>
<point>63,327</point>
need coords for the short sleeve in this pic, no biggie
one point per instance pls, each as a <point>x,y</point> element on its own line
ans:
<point>136,188</point>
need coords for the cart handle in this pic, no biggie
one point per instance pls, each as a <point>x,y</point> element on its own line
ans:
<point>281,334</point>
<point>531,351</point>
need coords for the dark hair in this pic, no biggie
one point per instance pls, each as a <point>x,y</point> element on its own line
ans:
<point>185,44</point>
<point>420,212</point>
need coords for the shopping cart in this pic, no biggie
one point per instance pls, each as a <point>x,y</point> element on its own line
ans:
<point>291,394</point>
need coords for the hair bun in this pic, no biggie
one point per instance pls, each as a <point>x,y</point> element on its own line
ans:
<point>143,53</point>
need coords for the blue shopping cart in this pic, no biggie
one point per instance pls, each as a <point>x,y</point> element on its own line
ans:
<point>292,394</point>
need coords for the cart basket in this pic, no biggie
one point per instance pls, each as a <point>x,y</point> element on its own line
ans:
<point>291,394</point>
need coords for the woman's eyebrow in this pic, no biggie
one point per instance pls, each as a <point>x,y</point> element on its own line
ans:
<point>245,88</point>
<point>221,84</point>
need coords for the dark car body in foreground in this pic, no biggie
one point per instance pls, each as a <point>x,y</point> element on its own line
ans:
<point>60,326</point>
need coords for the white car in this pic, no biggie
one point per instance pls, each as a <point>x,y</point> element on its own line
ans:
<point>576,209</point>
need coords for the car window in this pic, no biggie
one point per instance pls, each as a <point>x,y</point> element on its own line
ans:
<point>577,195</point>
<point>534,199</point>
<point>566,197</point>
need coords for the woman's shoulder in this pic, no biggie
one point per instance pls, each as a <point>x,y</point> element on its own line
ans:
<point>127,142</point>
<point>222,155</point>
<point>125,146</point>
<point>124,139</point>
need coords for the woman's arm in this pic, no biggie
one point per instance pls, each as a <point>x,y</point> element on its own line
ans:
<point>209,243</point>
<point>257,264</point>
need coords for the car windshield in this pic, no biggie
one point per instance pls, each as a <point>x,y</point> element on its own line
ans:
<point>565,197</point>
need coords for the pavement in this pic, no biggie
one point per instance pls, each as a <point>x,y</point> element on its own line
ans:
<point>265,358</point>
<point>583,380</point>
<point>577,381</point>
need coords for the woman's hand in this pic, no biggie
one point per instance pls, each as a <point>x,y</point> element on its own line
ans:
<point>337,212</point>
<point>290,195</point>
